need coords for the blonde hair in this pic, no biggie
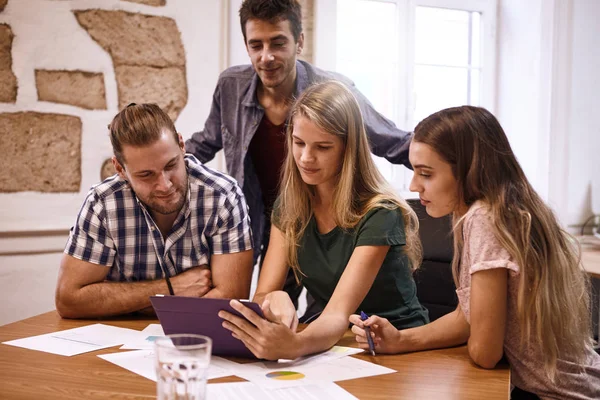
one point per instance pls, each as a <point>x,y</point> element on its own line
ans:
<point>333,108</point>
<point>553,300</point>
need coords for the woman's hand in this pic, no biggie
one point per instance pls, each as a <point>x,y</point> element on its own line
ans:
<point>283,309</point>
<point>268,338</point>
<point>386,338</point>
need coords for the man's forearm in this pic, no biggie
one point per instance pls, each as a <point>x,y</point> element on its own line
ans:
<point>109,298</point>
<point>227,293</point>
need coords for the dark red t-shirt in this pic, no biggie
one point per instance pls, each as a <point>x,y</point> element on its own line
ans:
<point>267,150</point>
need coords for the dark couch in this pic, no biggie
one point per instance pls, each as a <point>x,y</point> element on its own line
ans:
<point>435,287</point>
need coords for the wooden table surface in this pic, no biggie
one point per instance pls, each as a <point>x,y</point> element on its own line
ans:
<point>29,374</point>
<point>590,258</point>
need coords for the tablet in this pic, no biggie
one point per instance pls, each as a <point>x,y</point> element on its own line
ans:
<point>178,314</point>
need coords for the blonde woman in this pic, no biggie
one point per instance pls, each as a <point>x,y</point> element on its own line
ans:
<point>521,290</point>
<point>350,240</point>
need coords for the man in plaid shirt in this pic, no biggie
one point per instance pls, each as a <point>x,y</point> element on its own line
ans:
<point>164,223</point>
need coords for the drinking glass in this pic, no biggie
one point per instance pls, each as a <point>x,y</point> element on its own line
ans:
<point>182,363</point>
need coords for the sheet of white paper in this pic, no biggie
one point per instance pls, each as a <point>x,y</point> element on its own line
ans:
<point>78,340</point>
<point>145,341</point>
<point>141,362</point>
<point>250,391</point>
<point>332,354</point>
<point>302,375</point>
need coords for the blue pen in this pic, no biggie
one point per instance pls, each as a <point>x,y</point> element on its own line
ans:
<point>364,317</point>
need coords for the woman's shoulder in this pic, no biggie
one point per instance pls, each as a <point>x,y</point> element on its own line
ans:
<point>383,210</point>
<point>384,217</point>
<point>479,216</point>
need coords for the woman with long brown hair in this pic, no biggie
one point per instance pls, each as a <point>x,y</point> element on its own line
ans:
<point>348,237</point>
<point>521,289</point>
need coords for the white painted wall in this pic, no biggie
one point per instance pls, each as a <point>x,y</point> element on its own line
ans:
<point>584,128</point>
<point>237,49</point>
<point>27,284</point>
<point>548,96</point>
<point>517,104</point>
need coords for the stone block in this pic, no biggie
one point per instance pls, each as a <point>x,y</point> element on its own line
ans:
<point>8,80</point>
<point>107,169</point>
<point>40,152</point>
<point>164,86</point>
<point>155,3</point>
<point>135,39</point>
<point>78,88</point>
<point>308,17</point>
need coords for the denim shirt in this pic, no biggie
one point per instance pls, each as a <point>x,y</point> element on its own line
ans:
<point>236,114</point>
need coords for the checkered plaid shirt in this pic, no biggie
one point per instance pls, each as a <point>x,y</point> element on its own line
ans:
<point>115,229</point>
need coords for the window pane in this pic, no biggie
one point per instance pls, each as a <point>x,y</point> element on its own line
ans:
<point>442,36</point>
<point>437,88</point>
<point>367,52</point>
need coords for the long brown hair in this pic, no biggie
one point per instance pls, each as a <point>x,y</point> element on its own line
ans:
<point>333,108</point>
<point>553,300</point>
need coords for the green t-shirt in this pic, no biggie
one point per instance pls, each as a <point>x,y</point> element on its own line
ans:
<point>323,259</point>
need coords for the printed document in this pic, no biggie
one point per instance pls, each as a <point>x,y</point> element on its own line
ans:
<point>145,341</point>
<point>339,369</point>
<point>78,340</point>
<point>142,362</point>
<point>250,391</point>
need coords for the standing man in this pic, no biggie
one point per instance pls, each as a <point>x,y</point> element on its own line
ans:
<point>250,107</point>
<point>164,223</point>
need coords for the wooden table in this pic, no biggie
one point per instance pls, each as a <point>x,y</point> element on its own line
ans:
<point>29,374</point>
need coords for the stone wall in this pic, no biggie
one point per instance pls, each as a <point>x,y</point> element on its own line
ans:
<point>149,66</point>
<point>40,152</point>
<point>147,53</point>
<point>67,67</point>
<point>8,81</point>
<point>79,88</point>
<point>308,16</point>
<point>155,3</point>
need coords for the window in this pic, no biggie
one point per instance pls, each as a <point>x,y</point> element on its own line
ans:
<point>447,66</point>
<point>410,58</point>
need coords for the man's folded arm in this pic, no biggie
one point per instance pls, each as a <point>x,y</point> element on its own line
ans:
<point>82,292</point>
<point>231,275</point>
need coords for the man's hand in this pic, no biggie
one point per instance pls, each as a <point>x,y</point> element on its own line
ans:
<point>194,282</point>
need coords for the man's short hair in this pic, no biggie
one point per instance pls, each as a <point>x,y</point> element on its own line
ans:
<point>138,125</point>
<point>272,11</point>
